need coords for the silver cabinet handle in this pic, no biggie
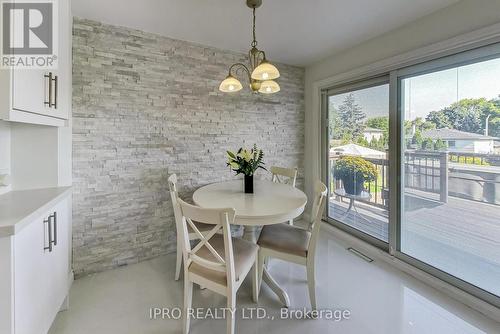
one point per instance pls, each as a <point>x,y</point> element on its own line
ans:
<point>53,217</point>
<point>49,229</point>
<point>55,92</point>
<point>49,102</point>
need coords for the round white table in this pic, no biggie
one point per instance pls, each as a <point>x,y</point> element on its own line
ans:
<point>271,203</point>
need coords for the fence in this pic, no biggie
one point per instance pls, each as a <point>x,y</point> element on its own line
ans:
<point>475,158</point>
<point>471,176</point>
<point>426,171</point>
<point>378,189</point>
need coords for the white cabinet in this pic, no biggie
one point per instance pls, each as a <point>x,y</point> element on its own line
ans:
<point>40,270</point>
<point>41,96</point>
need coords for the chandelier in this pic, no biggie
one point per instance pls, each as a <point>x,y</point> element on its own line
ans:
<point>261,73</point>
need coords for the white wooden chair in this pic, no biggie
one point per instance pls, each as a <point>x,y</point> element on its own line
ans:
<point>204,228</point>
<point>218,262</point>
<point>286,176</point>
<point>294,244</point>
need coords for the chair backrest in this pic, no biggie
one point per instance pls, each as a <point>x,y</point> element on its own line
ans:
<point>284,175</point>
<point>172,185</point>
<point>221,219</point>
<point>318,208</point>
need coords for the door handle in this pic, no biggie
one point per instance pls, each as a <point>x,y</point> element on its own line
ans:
<point>55,92</point>
<point>53,217</point>
<point>49,102</point>
<point>49,229</point>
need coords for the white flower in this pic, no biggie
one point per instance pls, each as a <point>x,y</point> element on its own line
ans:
<point>246,155</point>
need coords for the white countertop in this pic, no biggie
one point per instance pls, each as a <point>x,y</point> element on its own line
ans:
<point>19,208</point>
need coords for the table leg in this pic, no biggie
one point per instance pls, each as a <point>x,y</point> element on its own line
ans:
<point>351,205</point>
<point>250,234</point>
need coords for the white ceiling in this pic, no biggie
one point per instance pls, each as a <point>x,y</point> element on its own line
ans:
<point>297,32</point>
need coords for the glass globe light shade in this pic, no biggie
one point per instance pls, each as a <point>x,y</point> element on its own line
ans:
<point>230,85</point>
<point>269,87</point>
<point>265,71</point>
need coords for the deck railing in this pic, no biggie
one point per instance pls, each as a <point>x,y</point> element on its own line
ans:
<point>378,189</point>
<point>471,176</point>
<point>425,171</point>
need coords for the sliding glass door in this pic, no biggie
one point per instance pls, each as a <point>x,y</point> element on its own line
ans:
<point>412,162</point>
<point>358,133</point>
<point>450,167</point>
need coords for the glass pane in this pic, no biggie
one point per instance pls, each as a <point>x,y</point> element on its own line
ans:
<point>358,144</point>
<point>451,171</point>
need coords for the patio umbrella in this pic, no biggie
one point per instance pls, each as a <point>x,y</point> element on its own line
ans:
<point>357,150</point>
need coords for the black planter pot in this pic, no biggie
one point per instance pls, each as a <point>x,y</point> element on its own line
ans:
<point>248,184</point>
<point>353,186</point>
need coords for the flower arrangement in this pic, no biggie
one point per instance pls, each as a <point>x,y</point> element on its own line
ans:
<point>246,162</point>
<point>354,172</point>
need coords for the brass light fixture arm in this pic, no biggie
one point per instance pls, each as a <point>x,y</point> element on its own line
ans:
<point>238,67</point>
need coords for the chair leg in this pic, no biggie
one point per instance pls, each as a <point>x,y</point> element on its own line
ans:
<point>231,316</point>
<point>188,298</point>
<point>261,263</point>
<point>178,262</point>
<point>255,280</point>
<point>311,283</point>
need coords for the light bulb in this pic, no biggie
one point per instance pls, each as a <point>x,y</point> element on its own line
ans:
<point>231,87</point>
<point>268,89</point>
<point>265,75</point>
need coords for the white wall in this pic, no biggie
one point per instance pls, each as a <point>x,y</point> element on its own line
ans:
<point>4,151</point>
<point>463,17</point>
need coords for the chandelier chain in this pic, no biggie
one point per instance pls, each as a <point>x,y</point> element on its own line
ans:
<point>254,42</point>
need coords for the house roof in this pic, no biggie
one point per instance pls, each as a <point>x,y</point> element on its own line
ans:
<point>368,129</point>
<point>452,134</point>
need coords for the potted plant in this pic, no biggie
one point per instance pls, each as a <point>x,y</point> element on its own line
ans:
<point>246,162</point>
<point>354,172</point>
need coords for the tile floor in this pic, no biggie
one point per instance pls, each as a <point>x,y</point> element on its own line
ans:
<point>380,299</point>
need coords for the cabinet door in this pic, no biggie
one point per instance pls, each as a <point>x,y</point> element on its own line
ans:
<point>32,89</point>
<point>59,257</point>
<point>63,72</point>
<point>31,272</point>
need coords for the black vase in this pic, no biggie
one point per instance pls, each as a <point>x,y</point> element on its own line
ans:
<point>248,184</point>
<point>353,185</point>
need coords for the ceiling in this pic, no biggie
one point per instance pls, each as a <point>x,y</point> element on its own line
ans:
<point>290,31</point>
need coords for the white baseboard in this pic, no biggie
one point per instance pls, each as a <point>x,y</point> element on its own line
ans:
<point>463,297</point>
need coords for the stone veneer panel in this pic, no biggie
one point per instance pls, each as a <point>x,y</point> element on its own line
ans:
<point>145,106</point>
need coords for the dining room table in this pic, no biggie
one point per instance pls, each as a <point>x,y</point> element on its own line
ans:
<point>270,203</point>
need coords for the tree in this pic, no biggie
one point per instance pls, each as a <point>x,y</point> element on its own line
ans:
<point>381,123</point>
<point>351,117</point>
<point>440,145</point>
<point>417,139</point>
<point>333,120</point>
<point>427,144</point>
<point>469,115</point>
<point>439,119</point>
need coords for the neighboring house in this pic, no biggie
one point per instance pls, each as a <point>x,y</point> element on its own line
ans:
<point>496,145</point>
<point>460,141</point>
<point>372,133</point>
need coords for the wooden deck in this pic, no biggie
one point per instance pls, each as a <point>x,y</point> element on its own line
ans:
<point>461,237</point>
